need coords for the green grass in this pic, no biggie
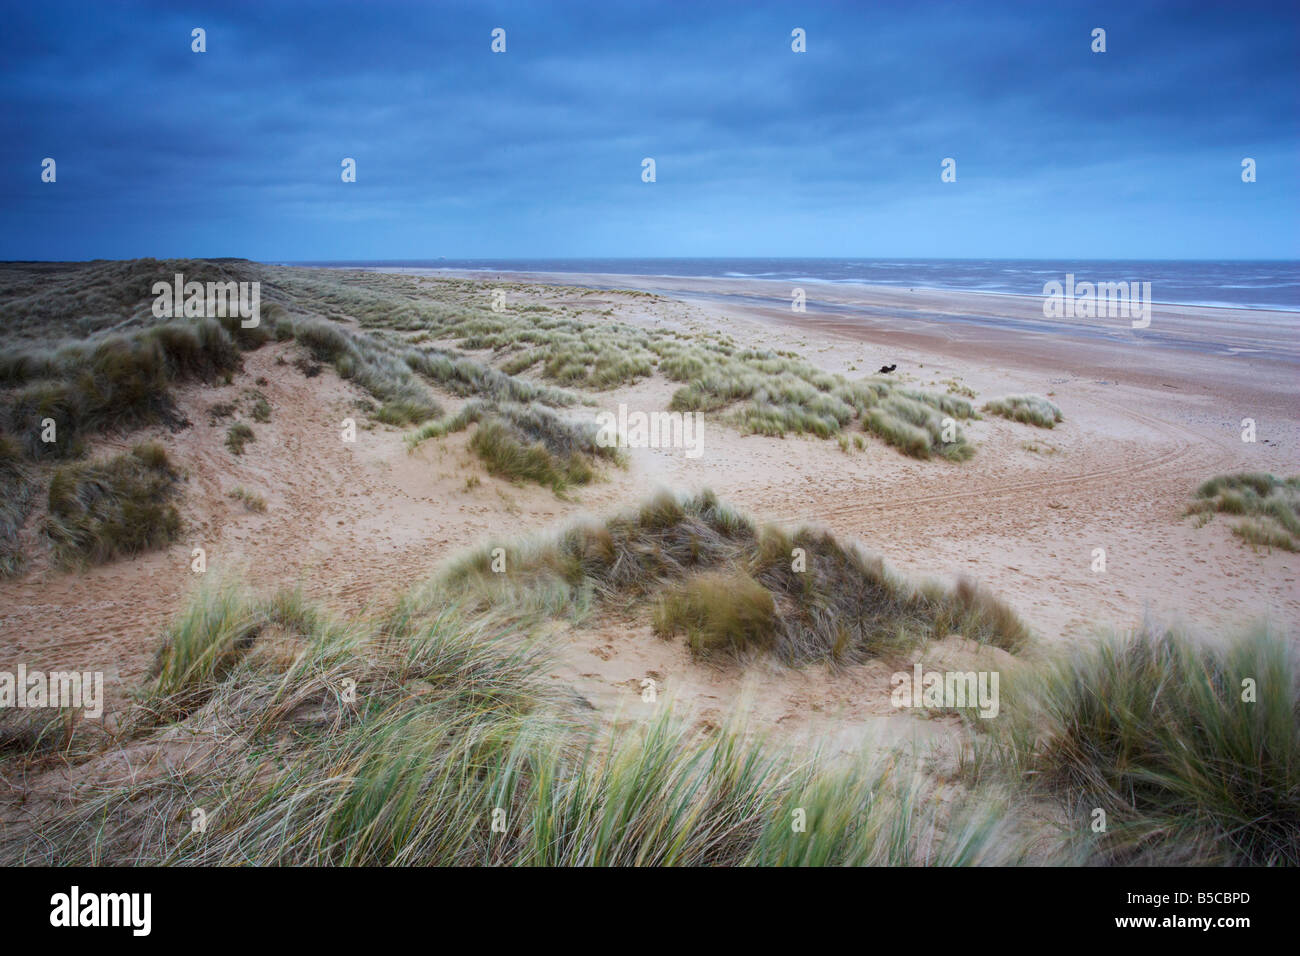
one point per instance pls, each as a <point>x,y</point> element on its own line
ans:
<point>284,330</point>
<point>1152,728</point>
<point>213,632</point>
<point>394,373</point>
<point>1030,409</point>
<point>259,408</point>
<point>18,481</point>
<point>526,443</point>
<point>117,383</point>
<point>375,365</point>
<point>466,377</point>
<point>471,412</point>
<point>28,737</point>
<point>365,326</point>
<point>107,373</point>
<point>757,391</point>
<point>391,739</point>
<point>507,457</point>
<point>718,611</point>
<point>76,300</point>
<point>775,394</point>
<point>453,724</point>
<point>121,506</point>
<point>843,607</point>
<point>915,425</point>
<point>399,739</point>
<point>238,436</point>
<point>955,387</point>
<point>1268,505</point>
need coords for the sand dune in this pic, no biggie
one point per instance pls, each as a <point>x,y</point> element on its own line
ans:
<point>1145,422</point>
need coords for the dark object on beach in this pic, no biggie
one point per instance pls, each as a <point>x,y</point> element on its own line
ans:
<point>886,369</point>
<point>310,369</point>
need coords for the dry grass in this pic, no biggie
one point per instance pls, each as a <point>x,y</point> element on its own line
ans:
<point>17,480</point>
<point>238,436</point>
<point>833,602</point>
<point>121,506</point>
<point>718,611</point>
<point>436,739</point>
<point>251,500</point>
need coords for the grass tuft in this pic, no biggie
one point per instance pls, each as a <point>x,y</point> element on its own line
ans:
<point>118,383</point>
<point>210,636</point>
<point>121,506</point>
<point>18,481</point>
<point>833,602</point>
<point>456,750</point>
<point>238,436</point>
<point>1267,503</point>
<point>251,500</point>
<point>1030,409</point>
<point>526,443</point>
<point>719,611</point>
<point>1193,750</point>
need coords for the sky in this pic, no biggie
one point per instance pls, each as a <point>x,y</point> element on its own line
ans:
<point>1060,152</point>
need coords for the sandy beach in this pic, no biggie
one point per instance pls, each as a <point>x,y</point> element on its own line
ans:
<point>1148,415</point>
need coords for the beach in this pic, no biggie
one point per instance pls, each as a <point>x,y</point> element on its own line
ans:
<point>1148,415</point>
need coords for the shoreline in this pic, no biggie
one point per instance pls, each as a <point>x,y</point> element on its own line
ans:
<point>559,277</point>
<point>872,293</point>
<point>1201,351</point>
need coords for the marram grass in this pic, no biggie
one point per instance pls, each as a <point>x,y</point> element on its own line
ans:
<point>432,735</point>
<point>1030,409</point>
<point>1191,748</point>
<point>706,568</point>
<point>115,507</point>
<point>454,750</point>
<point>1266,504</point>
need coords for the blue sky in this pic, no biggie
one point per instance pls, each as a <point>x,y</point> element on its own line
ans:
<point>760,151</point>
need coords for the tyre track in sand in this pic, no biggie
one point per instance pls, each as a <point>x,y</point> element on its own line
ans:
<point>1186,441</point>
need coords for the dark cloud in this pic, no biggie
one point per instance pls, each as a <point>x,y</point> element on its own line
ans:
<point>760,151</point>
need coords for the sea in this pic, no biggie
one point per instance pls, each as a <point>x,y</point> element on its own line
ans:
<point>1271,284</point>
